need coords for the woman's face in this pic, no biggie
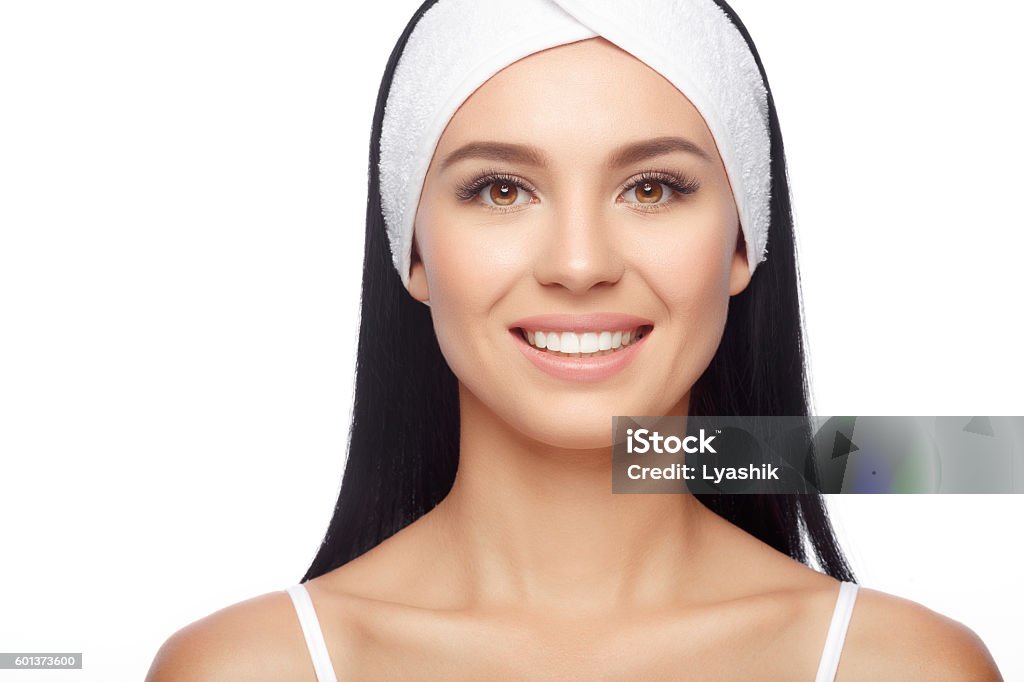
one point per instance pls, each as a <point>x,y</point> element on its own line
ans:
<point>596,220</point>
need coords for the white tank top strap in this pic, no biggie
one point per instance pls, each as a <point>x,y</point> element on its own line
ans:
<point>837,632</point>
<point>312,632</point>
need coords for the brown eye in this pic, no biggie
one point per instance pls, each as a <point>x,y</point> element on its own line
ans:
<point>504,193</point>
<point>649,192</point>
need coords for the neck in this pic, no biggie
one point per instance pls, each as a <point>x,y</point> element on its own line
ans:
<point>538,526</point>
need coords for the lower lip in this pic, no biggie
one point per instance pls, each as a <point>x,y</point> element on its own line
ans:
<point>580,369</point>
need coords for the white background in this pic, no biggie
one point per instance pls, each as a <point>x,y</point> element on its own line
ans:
<point>182,200</point>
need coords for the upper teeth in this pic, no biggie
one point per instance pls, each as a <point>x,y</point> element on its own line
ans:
<point>587,342</point>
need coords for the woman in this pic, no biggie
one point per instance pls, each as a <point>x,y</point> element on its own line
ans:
<point>586,248</point>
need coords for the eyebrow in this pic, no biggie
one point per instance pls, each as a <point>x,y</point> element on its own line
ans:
<point>532,156</point>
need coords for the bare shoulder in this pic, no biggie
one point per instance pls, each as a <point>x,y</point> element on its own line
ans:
<point>256,639</point>
<point>891,638</point>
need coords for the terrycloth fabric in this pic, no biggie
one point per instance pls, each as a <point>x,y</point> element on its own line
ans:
<point>459,44</point>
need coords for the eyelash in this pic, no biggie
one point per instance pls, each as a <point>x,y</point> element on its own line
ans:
<point>682,185</point>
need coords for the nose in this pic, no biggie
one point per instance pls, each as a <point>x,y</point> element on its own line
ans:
<point>580,250</point>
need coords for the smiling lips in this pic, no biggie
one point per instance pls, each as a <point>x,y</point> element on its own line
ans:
<point>584,344</point>
<point>587,347</point>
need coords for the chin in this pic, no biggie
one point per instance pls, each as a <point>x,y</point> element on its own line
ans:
<point>587,431</point>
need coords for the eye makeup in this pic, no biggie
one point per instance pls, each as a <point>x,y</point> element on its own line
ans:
<point>467,190</point>
<point>681,184</point>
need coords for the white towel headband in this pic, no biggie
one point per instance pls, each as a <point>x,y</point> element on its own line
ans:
<point>458,45</point>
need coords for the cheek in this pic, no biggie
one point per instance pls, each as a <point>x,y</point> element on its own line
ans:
<point>691,277</point>
<point>701,295</point>
<point>466,279</point>
<point>470,261</point>
<point>696,277</point>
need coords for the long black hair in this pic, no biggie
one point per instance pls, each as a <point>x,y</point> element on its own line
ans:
<point>403,445</point>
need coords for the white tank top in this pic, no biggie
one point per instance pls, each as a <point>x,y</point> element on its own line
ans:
<point>325,670</point>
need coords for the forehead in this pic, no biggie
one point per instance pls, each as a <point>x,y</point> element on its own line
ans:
<point>587,91</point>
